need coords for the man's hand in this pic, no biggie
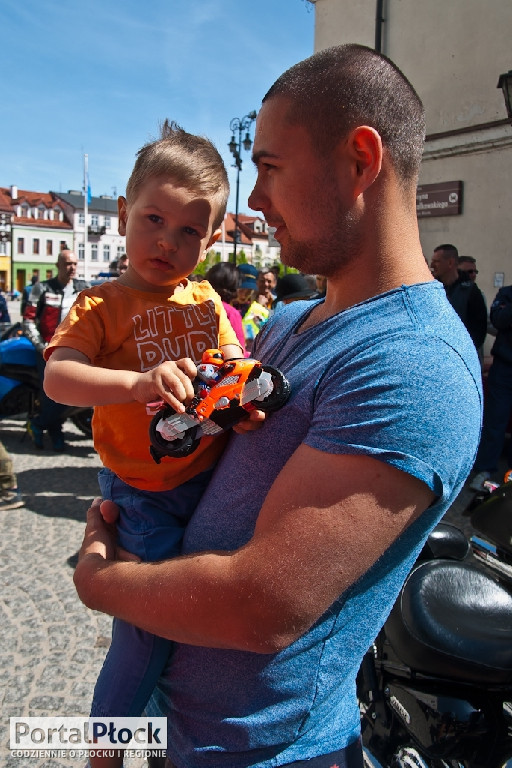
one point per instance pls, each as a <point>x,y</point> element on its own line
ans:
<point>255,421</point>
<point>170,381</point>
<point>100,531</point>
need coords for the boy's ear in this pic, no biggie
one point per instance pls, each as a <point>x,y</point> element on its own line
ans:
<point>215,236</point>
<point>121,210</point>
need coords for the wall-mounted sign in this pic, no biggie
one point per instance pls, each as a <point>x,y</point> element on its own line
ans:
<point>443,199</point>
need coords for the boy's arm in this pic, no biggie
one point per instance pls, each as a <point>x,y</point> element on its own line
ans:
<point>230,351</point>
<point>71,379</point>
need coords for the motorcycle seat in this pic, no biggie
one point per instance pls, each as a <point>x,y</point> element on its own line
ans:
<point>453,620</point>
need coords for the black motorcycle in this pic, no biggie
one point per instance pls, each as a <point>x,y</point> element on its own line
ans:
<point>435,688</point>
<point>19,381</point>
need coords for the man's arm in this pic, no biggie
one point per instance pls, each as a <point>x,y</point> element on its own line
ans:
<point>325,521</point>
<point>501,309</point>
<point>477,316</point>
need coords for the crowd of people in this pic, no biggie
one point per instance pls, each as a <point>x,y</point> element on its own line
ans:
<point>248,579</point>
<point>458,275</point>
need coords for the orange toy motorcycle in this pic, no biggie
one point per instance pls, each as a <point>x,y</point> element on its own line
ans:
<point>226,392</point>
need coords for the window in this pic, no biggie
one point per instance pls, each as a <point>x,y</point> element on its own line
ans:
<point>81,252</point>
<point>81,219</point>
<point>49,274</point>
<point>106,253</point>
<point>21,245</point>
<point>94,252</point>
<point>107,222</point>
<point>95,220</point>
<point>49,247</point>
<point>120,250</point>
<point>3,248</point>
<point>35,245</point>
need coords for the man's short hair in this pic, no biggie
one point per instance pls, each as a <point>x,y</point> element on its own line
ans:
<point>343,87</point>
<point>449,250</point>
<point>188,161</point>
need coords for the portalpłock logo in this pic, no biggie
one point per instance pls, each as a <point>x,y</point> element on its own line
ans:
<point>82,734</point>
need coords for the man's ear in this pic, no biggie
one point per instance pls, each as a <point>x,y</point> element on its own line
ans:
<point>122,213</point>
<point>364,146</point>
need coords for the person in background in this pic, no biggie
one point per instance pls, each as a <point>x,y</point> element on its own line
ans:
<point>48,304</point>
<point>292,287</point>
<point>464,295</point>
<point>266,287</point>
<point>321,286</point>
<point>498,393</point>
<point>4,310</point>
<point>26,293</point>
<point>10,497</point>
<point>122,264</point>
<point>246,293</point>
<point>467,265</point>
<point>300,544</point>
<point>224,278</point>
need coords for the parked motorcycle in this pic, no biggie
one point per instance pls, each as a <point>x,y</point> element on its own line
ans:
<point>435,688</point>
<point>19,381</point>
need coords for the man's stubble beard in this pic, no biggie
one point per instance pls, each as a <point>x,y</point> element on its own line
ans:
<point>329,254</point>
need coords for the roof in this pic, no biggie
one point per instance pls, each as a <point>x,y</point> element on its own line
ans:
<point>33,200</point>
<point>102,204</point>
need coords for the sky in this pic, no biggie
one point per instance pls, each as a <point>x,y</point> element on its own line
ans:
<point>98,77</point>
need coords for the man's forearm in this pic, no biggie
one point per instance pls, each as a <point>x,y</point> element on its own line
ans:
<point>191,600</point>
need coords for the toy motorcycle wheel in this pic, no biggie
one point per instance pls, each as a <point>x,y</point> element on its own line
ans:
<point>280,392</point>
<point>178,448</point>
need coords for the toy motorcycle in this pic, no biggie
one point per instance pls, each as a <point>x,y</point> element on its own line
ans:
<point>226,393</point>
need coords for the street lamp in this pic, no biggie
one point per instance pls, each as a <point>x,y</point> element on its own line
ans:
<point>505,83</point>
<point>240,125</point>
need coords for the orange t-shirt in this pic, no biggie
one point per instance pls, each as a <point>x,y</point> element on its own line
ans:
<point>124,329</point>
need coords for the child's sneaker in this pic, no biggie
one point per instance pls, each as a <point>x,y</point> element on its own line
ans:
<point>10,499</point>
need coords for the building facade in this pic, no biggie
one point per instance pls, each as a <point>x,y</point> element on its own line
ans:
<point>34,228</point>
<point>96,242</point>
<point>453,53</point>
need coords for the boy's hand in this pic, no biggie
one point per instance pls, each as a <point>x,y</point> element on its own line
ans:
<point>170,381</point>
<point>255,421</point>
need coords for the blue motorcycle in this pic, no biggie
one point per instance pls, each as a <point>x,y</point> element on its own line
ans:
<point>19,381</point>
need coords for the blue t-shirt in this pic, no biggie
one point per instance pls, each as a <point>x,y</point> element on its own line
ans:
<point>395,377</point>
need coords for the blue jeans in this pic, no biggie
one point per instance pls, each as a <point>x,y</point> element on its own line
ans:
<point>497,410</point>
<point>151,525</point>
<point>50,415</point>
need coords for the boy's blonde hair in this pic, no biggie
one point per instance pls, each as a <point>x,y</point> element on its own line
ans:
<point>189,161</point>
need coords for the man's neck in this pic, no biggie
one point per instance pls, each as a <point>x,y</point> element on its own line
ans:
<point>450,279</point>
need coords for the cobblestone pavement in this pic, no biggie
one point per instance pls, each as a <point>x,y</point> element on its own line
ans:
<point>51,646</point>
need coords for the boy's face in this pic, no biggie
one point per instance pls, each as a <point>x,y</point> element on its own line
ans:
<point>168,230</point>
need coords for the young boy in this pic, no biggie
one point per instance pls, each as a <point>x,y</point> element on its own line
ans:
<point>135,340</point>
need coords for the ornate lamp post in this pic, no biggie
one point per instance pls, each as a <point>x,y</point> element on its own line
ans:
<point>505,83</point>
<point>235,147</point>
